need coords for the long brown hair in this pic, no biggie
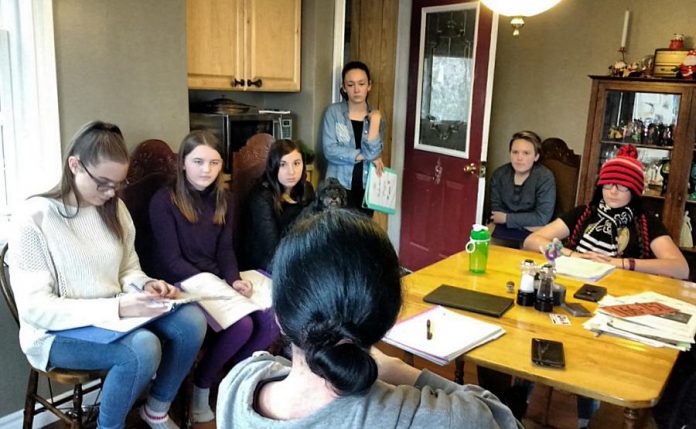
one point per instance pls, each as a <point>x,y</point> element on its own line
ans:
<point>183,194</point>
<point>269,179</point>
<point>94,143</point>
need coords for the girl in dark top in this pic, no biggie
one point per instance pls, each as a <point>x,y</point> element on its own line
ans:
<point>613,228</point>
<point>353,134</point>
<point>274,203</point>
<point>191,223</point>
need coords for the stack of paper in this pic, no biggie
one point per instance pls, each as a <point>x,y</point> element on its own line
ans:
<point>582,268</point>
<point>648,317</point>
<point>440,335</point>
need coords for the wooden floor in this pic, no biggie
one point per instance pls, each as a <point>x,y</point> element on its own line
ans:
<point>562,412</point>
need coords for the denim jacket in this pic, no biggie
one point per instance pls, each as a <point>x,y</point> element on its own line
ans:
<point>338,143</point>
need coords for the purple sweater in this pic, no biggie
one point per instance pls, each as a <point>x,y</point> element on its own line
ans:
<point>182,248</point>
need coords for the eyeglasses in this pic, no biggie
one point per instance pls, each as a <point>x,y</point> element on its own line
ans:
<point>620,188</point>
<point>102,185</point>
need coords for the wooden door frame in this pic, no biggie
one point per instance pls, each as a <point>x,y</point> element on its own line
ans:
<point>400,111</point>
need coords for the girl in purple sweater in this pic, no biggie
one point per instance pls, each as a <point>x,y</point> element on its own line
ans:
<point>192,227</point>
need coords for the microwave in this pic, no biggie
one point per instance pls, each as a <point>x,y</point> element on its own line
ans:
<point>233,130</point>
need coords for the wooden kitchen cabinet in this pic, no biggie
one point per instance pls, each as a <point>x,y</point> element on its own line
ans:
<point>244,45</point>
<point>658,117</point>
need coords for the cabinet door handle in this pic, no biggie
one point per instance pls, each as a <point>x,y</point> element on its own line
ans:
<point>257,83</point>
<point>238,82</point>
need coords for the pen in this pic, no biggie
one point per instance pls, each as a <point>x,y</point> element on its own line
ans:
<point>154,303</point>
<point>428,331</point>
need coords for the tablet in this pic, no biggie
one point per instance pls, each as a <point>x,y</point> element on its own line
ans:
<point>470,300</point>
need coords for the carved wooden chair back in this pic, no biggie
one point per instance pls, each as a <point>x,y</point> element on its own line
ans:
<point>152,165</point>
<point>565,166</point>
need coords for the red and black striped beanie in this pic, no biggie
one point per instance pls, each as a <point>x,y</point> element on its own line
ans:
<point>624,169</point>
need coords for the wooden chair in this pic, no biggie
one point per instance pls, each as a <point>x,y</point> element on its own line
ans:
<point>565,166</point>
<point>247,166</point>
<point>72,416</point>
<point>152,165</point>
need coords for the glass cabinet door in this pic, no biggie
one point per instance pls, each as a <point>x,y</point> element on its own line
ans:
<point>645,120</point>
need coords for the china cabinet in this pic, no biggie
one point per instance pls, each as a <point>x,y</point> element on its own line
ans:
<point>243,45</point>
<point>658,117</point>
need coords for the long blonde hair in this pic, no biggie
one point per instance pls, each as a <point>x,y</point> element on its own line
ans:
<point>182,193</point>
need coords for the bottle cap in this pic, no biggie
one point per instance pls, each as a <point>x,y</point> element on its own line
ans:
<point>480,232</point>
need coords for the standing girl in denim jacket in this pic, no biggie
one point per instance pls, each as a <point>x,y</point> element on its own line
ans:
<point>352,134</point>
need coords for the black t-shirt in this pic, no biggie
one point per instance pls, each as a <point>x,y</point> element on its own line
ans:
<point>357,181</point>
<point>632,248</point>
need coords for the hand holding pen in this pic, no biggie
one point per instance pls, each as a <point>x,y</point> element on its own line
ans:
<point>146,301</point>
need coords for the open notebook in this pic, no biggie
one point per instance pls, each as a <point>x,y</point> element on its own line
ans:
<point>451,334</point>
<point>582,268</point>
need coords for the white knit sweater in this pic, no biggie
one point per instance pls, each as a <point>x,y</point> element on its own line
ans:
<point>67,272</point>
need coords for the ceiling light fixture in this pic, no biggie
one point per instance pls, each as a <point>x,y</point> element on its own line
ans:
<point>518,9</point>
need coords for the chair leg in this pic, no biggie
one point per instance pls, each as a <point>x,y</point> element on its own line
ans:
<point>30,401</point>
<point>76,415</point>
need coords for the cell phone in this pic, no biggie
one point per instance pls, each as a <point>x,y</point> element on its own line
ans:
<point>548,353</point>
<point>592,293</point>
<point>576,309</point>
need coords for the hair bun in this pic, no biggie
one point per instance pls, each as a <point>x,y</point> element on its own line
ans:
<point>628,151</point>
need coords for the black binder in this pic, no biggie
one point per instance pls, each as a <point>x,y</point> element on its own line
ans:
<point>470,300</point>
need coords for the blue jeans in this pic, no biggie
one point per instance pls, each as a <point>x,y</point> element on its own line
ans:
<point>166,347</point>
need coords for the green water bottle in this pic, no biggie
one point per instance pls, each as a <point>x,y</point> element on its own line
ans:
<point>477,248</point>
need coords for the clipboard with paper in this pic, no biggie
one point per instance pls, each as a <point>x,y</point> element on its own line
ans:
<point>380,192</point>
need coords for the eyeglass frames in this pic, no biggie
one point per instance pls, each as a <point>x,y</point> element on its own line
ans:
<point>102,185</point>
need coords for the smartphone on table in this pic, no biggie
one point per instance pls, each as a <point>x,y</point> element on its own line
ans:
<point>548,353</point>
<point>592,293</point>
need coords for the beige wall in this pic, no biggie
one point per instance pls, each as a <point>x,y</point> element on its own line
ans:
<point>124,62</point>
<point>541,78</point>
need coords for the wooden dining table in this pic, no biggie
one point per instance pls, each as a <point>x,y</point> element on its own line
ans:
<point>611,369</point>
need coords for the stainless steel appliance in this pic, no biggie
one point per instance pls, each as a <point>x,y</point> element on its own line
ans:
<point>234,129</point>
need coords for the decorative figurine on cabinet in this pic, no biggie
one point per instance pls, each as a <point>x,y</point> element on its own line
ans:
<point>687,69</point>
<point>686,238</point>
<point>692,182</point>
<point>664,172</point>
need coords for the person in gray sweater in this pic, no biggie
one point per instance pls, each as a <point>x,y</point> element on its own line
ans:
<point>336,292</point>
<point>523,192</point>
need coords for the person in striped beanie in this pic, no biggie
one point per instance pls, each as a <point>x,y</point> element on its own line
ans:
<point>614,228</point>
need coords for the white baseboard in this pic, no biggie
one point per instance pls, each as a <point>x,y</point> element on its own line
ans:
<point>15,420</point>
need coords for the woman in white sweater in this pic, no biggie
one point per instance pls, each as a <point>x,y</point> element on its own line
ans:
<point>73,264</point>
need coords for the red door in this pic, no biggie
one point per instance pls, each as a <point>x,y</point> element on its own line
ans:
<point>446,126</point>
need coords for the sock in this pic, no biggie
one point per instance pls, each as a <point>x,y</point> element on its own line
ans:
<point>583,423</point>
<point>200,405</point>
<point>154,413</point>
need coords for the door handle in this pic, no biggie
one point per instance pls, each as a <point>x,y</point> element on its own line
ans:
<point>438,172</point>
<point>476,170</point>
<point>238,82</point>
<point>257,83</point>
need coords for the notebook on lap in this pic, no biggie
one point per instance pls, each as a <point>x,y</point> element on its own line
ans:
<point>470,300</point>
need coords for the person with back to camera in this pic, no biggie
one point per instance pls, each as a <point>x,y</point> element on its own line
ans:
<point>74,264</point>
<point>274,203</point>
<point>523,192</point>
<point>336,291</point>
<point>613,228</point>
<point>352,134</point>
<point>191,222</point>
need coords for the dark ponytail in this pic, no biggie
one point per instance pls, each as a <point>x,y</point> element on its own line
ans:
<point>336,292</point>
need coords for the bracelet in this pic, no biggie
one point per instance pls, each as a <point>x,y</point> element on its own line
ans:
<point>631,264</point>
